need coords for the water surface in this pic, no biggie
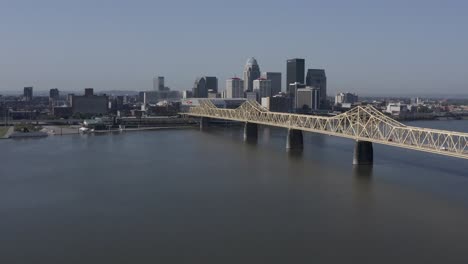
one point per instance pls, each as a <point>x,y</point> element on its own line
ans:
<point>186,196</point>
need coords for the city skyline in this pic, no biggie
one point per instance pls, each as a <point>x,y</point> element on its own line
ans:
<point>399,48</point>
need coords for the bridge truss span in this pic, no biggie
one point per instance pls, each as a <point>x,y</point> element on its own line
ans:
<point>362,123</point>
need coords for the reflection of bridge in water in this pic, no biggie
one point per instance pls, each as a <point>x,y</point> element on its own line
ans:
<point>365,124</point>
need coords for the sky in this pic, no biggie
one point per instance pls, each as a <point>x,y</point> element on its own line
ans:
<point>368,47</point>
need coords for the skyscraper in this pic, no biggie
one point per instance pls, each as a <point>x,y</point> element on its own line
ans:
<point>234,88</point>
<point>317,78</point>
<point>251,73</point>
<point>54,94</point>
<point>262,87</point>
<point>199,88</point>
<point>295,70</point>
<point>158,83</point>
<point>211,84</point>
<point>161,83</point>
<point>28,93</point>
<point>203,85</point>
<point>275,78</point>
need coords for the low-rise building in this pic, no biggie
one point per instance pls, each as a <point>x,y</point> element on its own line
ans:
<point>396,108</point>
<point>277,103</point>
<point>343,98</point>
<point>90,103</point>
<point>307,99</point>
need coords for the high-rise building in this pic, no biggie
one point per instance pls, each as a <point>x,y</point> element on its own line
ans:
<point>161,86</point>
<point>199,88</point>
<point>28,93</point>
<point>262,87</point>
<point>293,87</point>
<point>295,70</point>
<point>158,83</point>
<point>275,78</point>
<point>307,99</point>
<point>212,84</point>
<point>54,94</point>
<point>203,85</point>
<point>317,78</point>
<point>251,73</point>
<point>234,88</point>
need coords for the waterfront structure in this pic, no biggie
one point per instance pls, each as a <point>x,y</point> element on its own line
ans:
<point>295,69</point>
<point>317,78</point>
<point>307,99</point>
<point>89,103</point>
<point>262,87</point>
<point>251,73</point>
<point>346,98</point>
<point>364,124</point>
<point>28,93</point>
<point>234,88</point>
<point>203,85</point>
<point>275,78</point>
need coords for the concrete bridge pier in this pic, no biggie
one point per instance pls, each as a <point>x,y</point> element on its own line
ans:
<point>294,140</point>
<point>250,132</point>
<point>363,153</point>
<point>204,122</point>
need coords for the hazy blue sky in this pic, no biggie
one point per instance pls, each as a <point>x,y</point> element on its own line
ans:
<point>368,47</point>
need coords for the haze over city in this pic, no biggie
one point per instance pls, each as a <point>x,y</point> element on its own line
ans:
<point>369,47</point>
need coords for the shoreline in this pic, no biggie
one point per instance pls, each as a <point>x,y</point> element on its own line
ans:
<point>50,131</point>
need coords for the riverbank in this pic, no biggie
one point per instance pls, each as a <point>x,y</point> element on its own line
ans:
<point>73,130</point>
<point>5,132</point>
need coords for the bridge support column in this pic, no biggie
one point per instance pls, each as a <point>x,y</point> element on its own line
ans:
<point>250,132</point>
<point>363,153</point>
<point>294,140</point>
<point>204,122</point>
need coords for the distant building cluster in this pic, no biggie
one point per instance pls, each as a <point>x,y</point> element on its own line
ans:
<point>303,94</point>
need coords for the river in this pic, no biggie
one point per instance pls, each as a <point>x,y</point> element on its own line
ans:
<point>187,196</point>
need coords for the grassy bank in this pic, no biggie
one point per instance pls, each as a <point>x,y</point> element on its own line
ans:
<point>3,131</point>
